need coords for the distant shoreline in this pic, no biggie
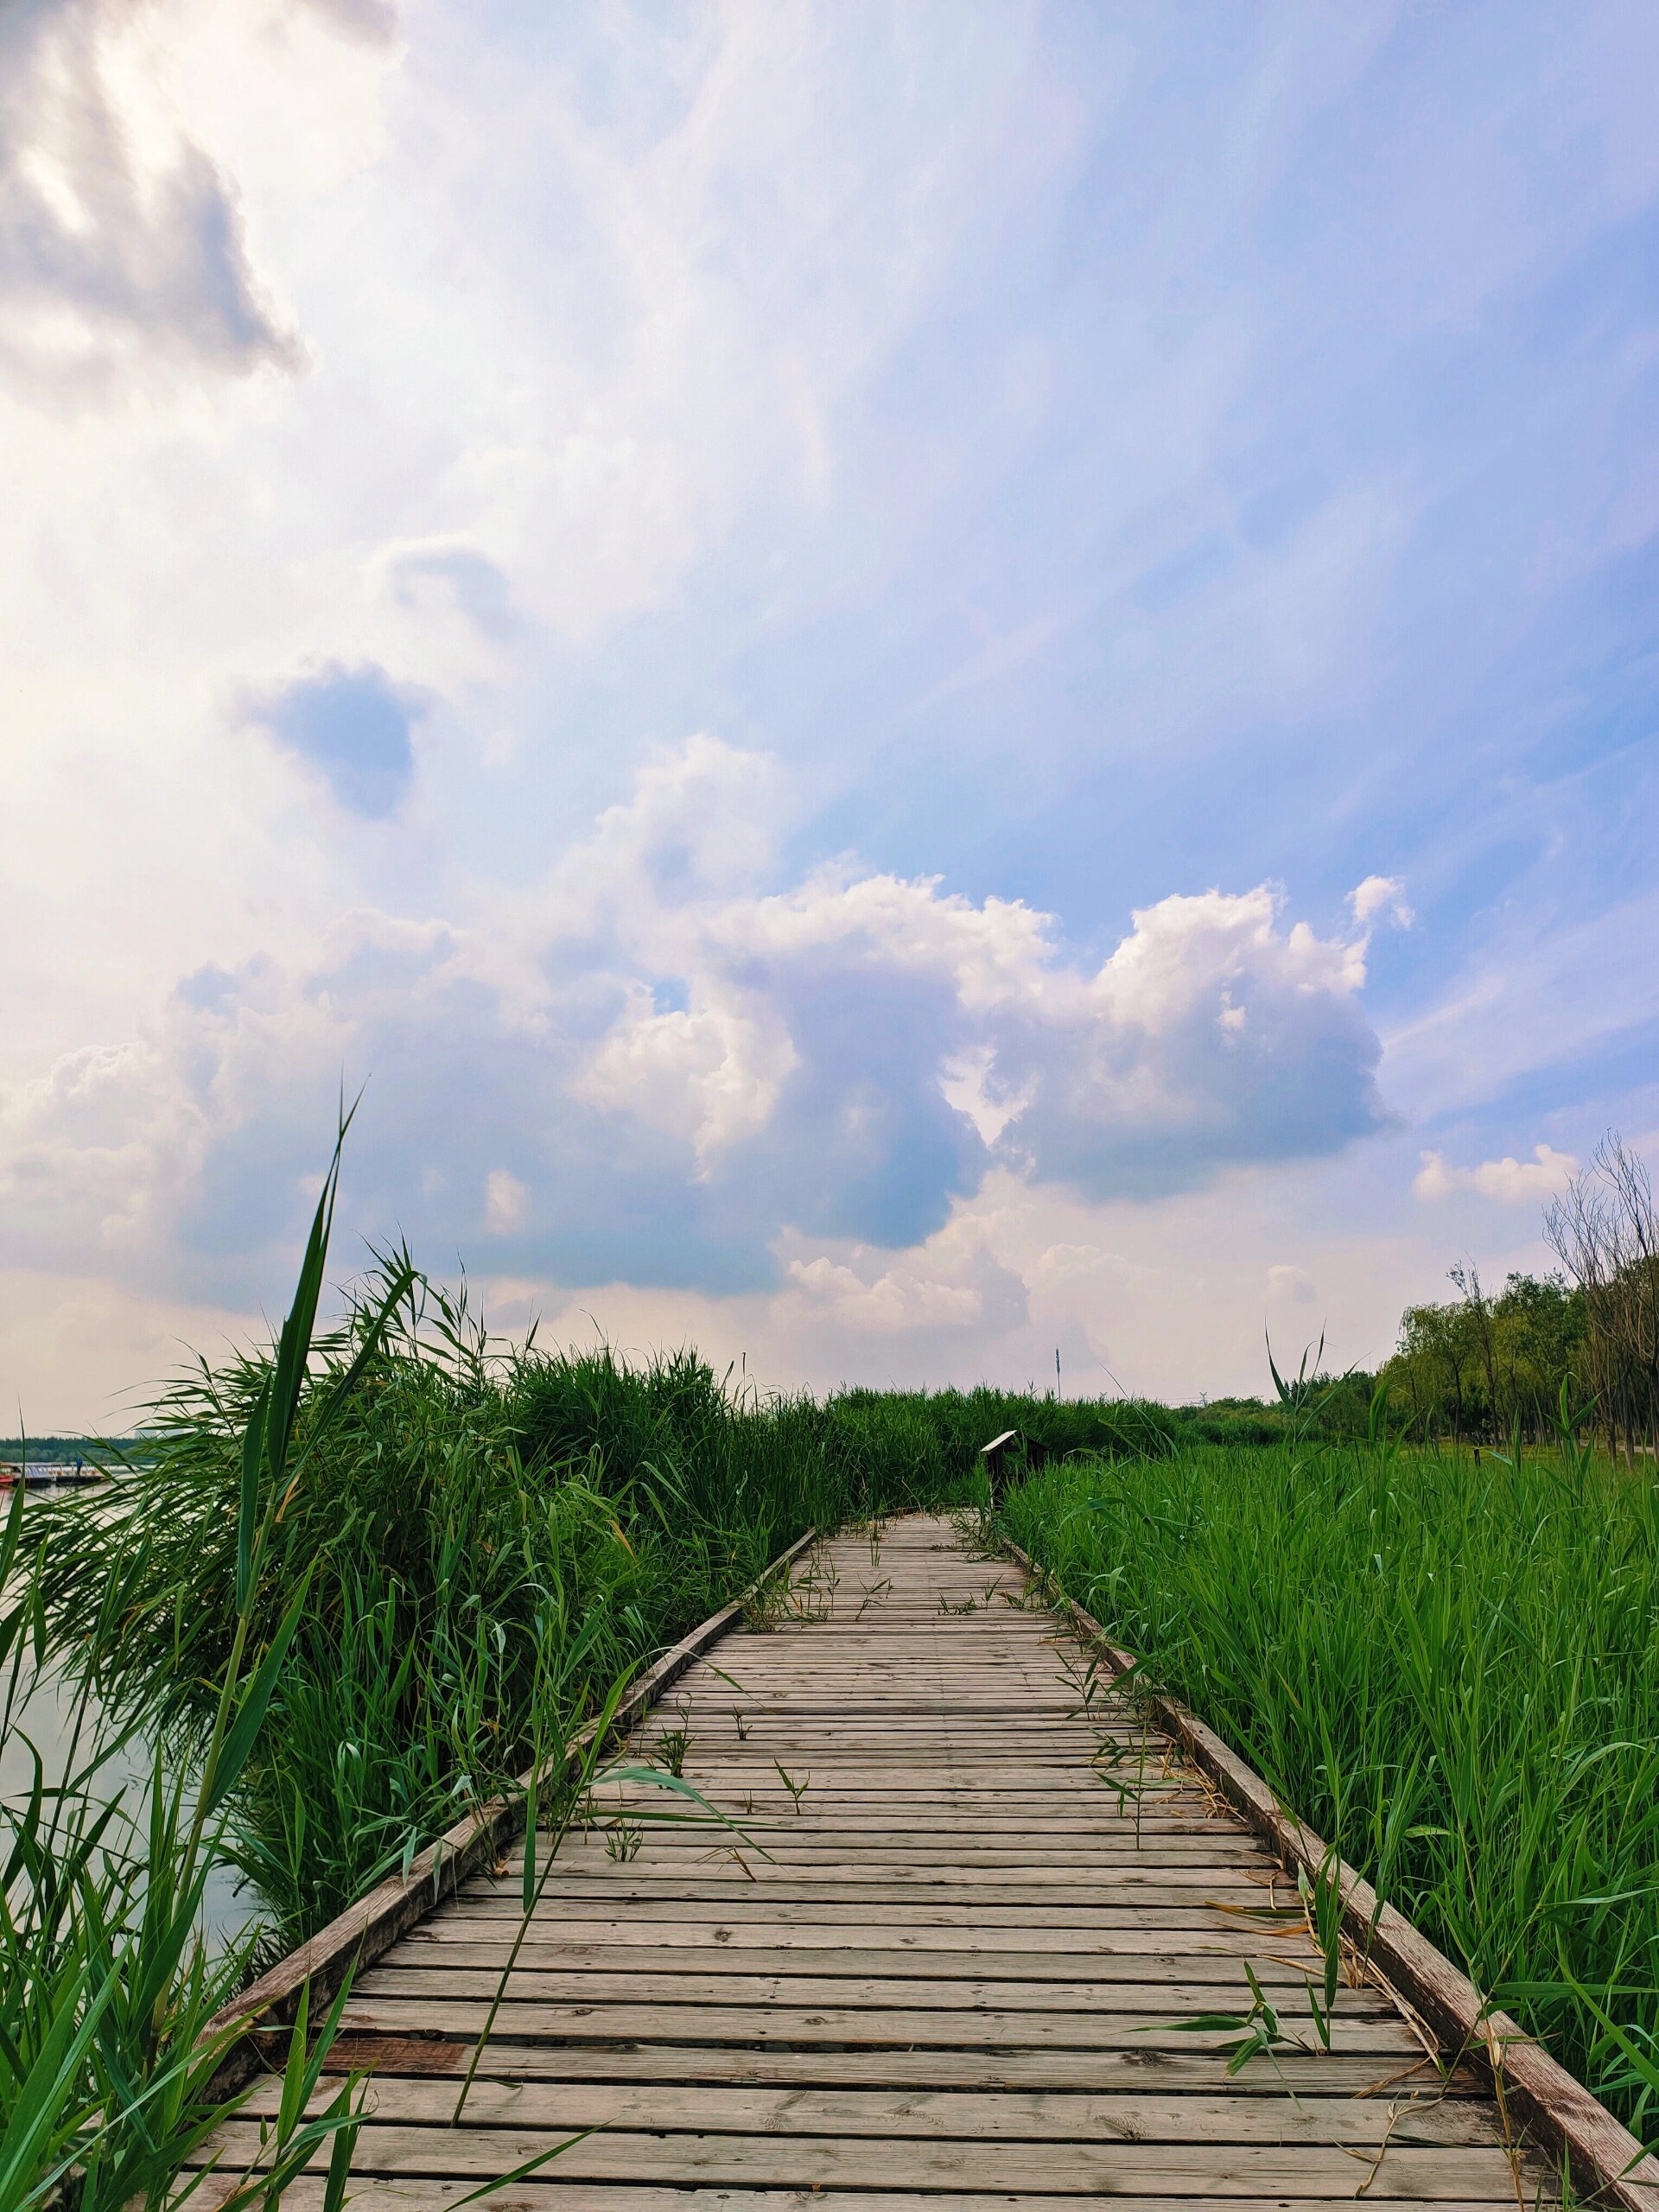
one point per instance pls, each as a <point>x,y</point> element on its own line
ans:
<point>64,1451</point>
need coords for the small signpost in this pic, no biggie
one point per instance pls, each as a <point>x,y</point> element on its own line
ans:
<point>997,1455</point>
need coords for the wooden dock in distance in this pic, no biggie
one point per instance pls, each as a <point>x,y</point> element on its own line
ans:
<point>944,1962</point>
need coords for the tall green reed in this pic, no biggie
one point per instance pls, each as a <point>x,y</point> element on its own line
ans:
<point>111,2064</point>
<point>1452,1673</point>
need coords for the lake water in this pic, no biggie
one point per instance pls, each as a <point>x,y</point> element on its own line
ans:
<point>44,1722</point>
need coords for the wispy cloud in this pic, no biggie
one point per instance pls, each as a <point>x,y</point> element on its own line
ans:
<point>122,242</point>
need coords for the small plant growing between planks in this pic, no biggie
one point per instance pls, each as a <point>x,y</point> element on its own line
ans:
<point>1112,1757</point>
<point>1258,2033</point>
<point>976,1525</point>
<point>797,1790</point>
<point>800,1594</point>
<point>673,1743</point>
<point>623,1840</point>
<point>811,1594</point>
<point>872,1592</point>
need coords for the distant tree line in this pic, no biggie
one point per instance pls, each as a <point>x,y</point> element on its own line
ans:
<point>1482,1365</point>
<point>1472,1368</point>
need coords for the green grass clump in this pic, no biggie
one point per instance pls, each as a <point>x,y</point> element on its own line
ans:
<point>1452,1672</point>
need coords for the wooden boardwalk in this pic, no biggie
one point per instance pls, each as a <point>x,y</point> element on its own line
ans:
<point>942,1965</point>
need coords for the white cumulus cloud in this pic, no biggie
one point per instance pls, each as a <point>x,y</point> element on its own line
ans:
<point>686,1058</point>
<point>1379,894</point>
<point>1510,1181</point>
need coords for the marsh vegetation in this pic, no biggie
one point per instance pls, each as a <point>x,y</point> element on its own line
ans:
<point>1449,1669</point>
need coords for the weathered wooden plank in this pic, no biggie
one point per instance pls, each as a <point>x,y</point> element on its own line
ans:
<point>1002,1761</point>
<point>558,1951</point>
<point>746,1882</point>
<point>1096,1811</point>
<point>1184,2072</point>
<point>668,1848</point>
<point>415,2193</point>
<point>1106,1803</point>
<point>902,1763</point>
<point>989,1713</point>
<point>537,1981</point>
<point>1023,2115</point>
<point>723,1734</point>
<point>730,1746</point>
<point>500,1906</point>
<point>1059,1887</point>
<point>852,1708</point>
<point>1275,1911</point>
<point>895,2026</point>
<point>1031,1766</point>
<point>1082,1792</point>
<point>1251,1875</point>
<point>1165,1782</point>
<point>1475,2172</point>
<point>659,1845</point>
<point>1213,1933</point>
<point>1101,1817</point>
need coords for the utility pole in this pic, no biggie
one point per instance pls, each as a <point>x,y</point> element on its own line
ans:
<point>1056,1370</point>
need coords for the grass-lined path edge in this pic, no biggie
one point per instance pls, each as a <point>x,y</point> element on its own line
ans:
<point>366,1929</point>
<point>1604,2161</point>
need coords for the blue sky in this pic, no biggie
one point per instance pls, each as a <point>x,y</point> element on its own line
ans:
<point>911,683</point>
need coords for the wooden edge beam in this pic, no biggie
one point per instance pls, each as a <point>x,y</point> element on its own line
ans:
<point>366,1929</point>
<point>1604,2160</point>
